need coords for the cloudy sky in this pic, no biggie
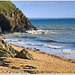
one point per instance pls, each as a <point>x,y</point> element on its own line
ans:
<point>47,9</point>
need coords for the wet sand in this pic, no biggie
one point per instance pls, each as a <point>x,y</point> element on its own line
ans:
<point>44,63</point>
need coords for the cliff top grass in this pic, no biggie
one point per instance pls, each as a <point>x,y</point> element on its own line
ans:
<point>6,6</point>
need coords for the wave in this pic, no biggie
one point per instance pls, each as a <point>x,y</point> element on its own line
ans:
<point>53,46</point>
<point>13,40</point>
<point>38,31</point>
<point>45,45</point>
<point>48,40</point>
<point>31,44</point>
<point>28,37</point>
<point>68,51</point>
<point>55,41</point>
<point>26,43</point>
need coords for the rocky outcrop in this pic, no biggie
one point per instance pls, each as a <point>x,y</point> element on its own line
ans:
<point>12,19</point>
<point>7,51</point>
<point>25,54</point>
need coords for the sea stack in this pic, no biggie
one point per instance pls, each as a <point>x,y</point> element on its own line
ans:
<point>12,19</point>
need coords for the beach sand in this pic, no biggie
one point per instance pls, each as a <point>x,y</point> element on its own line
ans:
<point>44,63</point>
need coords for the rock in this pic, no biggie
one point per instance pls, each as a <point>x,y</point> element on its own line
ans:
<point>6,50</point>
<point>5,53</point>
<point>4,24</point>
<point>12,19</point>
<point>0,30</point>
<point>13,50</point>
<point>25,54</point>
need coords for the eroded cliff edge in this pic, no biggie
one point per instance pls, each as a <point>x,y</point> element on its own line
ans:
<point>12,19</point>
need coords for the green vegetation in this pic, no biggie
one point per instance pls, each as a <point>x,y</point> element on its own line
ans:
<point>6,6</point>
<point>12,19</point>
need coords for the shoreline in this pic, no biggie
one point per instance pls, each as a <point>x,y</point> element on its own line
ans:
<point>44,63</point>
<point>50,54</point>
<point>63,49</point>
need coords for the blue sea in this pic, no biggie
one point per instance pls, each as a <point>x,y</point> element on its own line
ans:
<point>56,36</point>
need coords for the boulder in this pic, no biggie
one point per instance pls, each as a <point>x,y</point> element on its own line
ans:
<point>25,54</point>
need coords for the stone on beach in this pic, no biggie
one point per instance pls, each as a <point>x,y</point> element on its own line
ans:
<point>25,54</point>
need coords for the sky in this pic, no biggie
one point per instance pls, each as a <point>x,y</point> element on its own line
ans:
<point>47,9</point>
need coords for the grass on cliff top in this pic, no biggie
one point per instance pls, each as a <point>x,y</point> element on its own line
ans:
<point>6,6</point>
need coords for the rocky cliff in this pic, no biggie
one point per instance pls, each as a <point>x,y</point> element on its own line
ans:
<point>12,19</point>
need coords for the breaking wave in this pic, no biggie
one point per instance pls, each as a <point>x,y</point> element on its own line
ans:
<point>30,44</point>
<point>9,40</point>
<point>39,31</point>
<point>55,41</point>
<point>68,51</point>
<point>53,46</point>
<point>48,40</point>
<point>45,45</point>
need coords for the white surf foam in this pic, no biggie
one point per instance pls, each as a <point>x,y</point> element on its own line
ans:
<point>68,51</point>
<point>53,46</point>
<point>15,40</point>
<point>26,43</point>
<point>38,31</point>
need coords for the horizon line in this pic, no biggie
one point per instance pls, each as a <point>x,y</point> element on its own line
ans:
<point>52,18</point>
<point>37,0</point>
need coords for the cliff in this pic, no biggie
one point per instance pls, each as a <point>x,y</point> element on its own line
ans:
<point>12,19</point>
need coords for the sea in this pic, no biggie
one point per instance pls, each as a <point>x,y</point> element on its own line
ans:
<point>54,35</point>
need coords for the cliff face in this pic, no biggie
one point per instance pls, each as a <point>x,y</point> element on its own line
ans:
<point>12,19</point>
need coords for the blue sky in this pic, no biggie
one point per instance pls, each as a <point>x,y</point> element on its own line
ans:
<point>47,9</point>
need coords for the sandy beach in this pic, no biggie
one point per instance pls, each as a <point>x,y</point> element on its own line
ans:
<point>44,63</point>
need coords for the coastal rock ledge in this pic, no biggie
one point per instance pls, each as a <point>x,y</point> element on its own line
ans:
<point>7,51</point>
<point>12,19</point>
